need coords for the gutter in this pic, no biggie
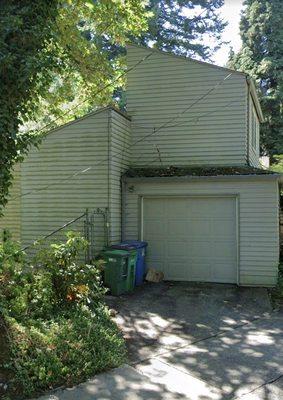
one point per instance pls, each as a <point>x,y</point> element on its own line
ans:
<point>221,178</point>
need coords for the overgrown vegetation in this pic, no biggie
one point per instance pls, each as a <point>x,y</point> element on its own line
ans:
<point>55,322</point>
<point>49,62</point>
<point>261,56</point>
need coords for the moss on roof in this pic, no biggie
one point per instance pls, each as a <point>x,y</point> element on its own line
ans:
<point>194,171</point>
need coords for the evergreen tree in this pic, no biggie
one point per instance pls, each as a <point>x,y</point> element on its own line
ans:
<point>171,29</point>
<point>261,57</point>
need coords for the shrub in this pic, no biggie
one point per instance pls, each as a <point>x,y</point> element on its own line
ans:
<point>58,327</point>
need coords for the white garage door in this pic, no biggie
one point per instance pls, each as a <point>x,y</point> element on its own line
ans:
<point>192,238</point>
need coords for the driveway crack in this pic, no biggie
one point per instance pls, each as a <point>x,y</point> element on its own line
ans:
<point>215,335</point>
<point>270,382</point>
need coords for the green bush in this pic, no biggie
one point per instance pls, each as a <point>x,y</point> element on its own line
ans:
<point>58,327</point>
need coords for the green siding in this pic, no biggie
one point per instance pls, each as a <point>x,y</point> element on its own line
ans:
<point>163,86</point>
<point>258,219</point>
<point>92,142</point>
<point>119,158</point>
<point>65,151</point>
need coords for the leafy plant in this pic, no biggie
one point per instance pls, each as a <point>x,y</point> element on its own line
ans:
<point>58,328</point>
<point>65,349</point>
<point>46,51</point>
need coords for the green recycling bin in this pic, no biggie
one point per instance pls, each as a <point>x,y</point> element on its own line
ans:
<point>116,272</point>
<point>132,261</point>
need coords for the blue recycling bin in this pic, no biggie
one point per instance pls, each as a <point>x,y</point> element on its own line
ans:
<point>140,246</point>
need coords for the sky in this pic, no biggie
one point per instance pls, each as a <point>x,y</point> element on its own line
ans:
<point>230,13</point>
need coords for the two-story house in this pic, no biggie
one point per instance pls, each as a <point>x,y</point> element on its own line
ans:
<point>180,169</point>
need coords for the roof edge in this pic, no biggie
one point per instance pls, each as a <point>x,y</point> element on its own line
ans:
<point>273,177</point>
<point>91,113</point>
<point>166,53</point>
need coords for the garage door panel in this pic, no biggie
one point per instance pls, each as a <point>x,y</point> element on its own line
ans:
<point>192,239</point>
<point>198,227</point>
<point>177,249</point>
<point>178,226</point>
<point>200,247</point>
<point>224,272</point>
<point>222,227</point>
<point>201,270</point>
<point>177,208</point>
<point>174,270</point>
<point>223,249</point>
<point>156,248</point>
<point>154,209</point>
<point>156,228</point>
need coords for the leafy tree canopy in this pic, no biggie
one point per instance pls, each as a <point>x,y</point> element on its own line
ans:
<point>261,57</point>
<point>45,49</point>
<point>171,27</point>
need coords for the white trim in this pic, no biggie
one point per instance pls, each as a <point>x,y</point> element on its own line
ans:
<point>238,221</point>
<point>253,92</point>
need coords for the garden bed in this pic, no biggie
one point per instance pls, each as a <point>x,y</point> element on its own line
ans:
<point>56,328</point>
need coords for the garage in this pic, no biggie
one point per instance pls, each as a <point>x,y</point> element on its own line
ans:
<point>191,238</point>
<point>213,225</point>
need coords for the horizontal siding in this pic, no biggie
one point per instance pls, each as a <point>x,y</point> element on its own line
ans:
<point>119,163</point>
<point>62,153</point>
<point>11,219</point>
<point>212,132</point>
<point>258,220</point>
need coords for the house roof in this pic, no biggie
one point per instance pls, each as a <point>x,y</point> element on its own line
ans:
<point>189,171</point>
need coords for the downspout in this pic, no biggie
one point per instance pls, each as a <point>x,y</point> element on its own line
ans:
<point>108,213</point>
<point>123,207</point>
<point>248,124</point>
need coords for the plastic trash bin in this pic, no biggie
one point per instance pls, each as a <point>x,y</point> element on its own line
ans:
<point>140,246</point>
<point>132,261</point>
<point>116,272</point>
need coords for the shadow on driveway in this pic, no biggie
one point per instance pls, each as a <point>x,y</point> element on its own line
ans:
<point>167,315</point>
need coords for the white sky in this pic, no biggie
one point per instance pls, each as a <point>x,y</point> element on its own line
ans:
<point>230,13</point>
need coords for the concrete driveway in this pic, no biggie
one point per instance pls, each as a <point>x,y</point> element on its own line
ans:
<point>168,315</point>
<point>196,342</point>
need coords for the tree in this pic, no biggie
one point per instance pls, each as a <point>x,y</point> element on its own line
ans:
<point>261,56</point>
<point>45,48</point>
<point>171,28</point>
<point>24,33</point>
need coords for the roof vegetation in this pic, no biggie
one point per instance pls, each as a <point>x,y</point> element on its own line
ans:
<point>172,171</point>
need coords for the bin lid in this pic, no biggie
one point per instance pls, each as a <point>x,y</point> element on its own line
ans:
<point>123,246</point>
<point>116,253</point>
<point>137,244</point>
